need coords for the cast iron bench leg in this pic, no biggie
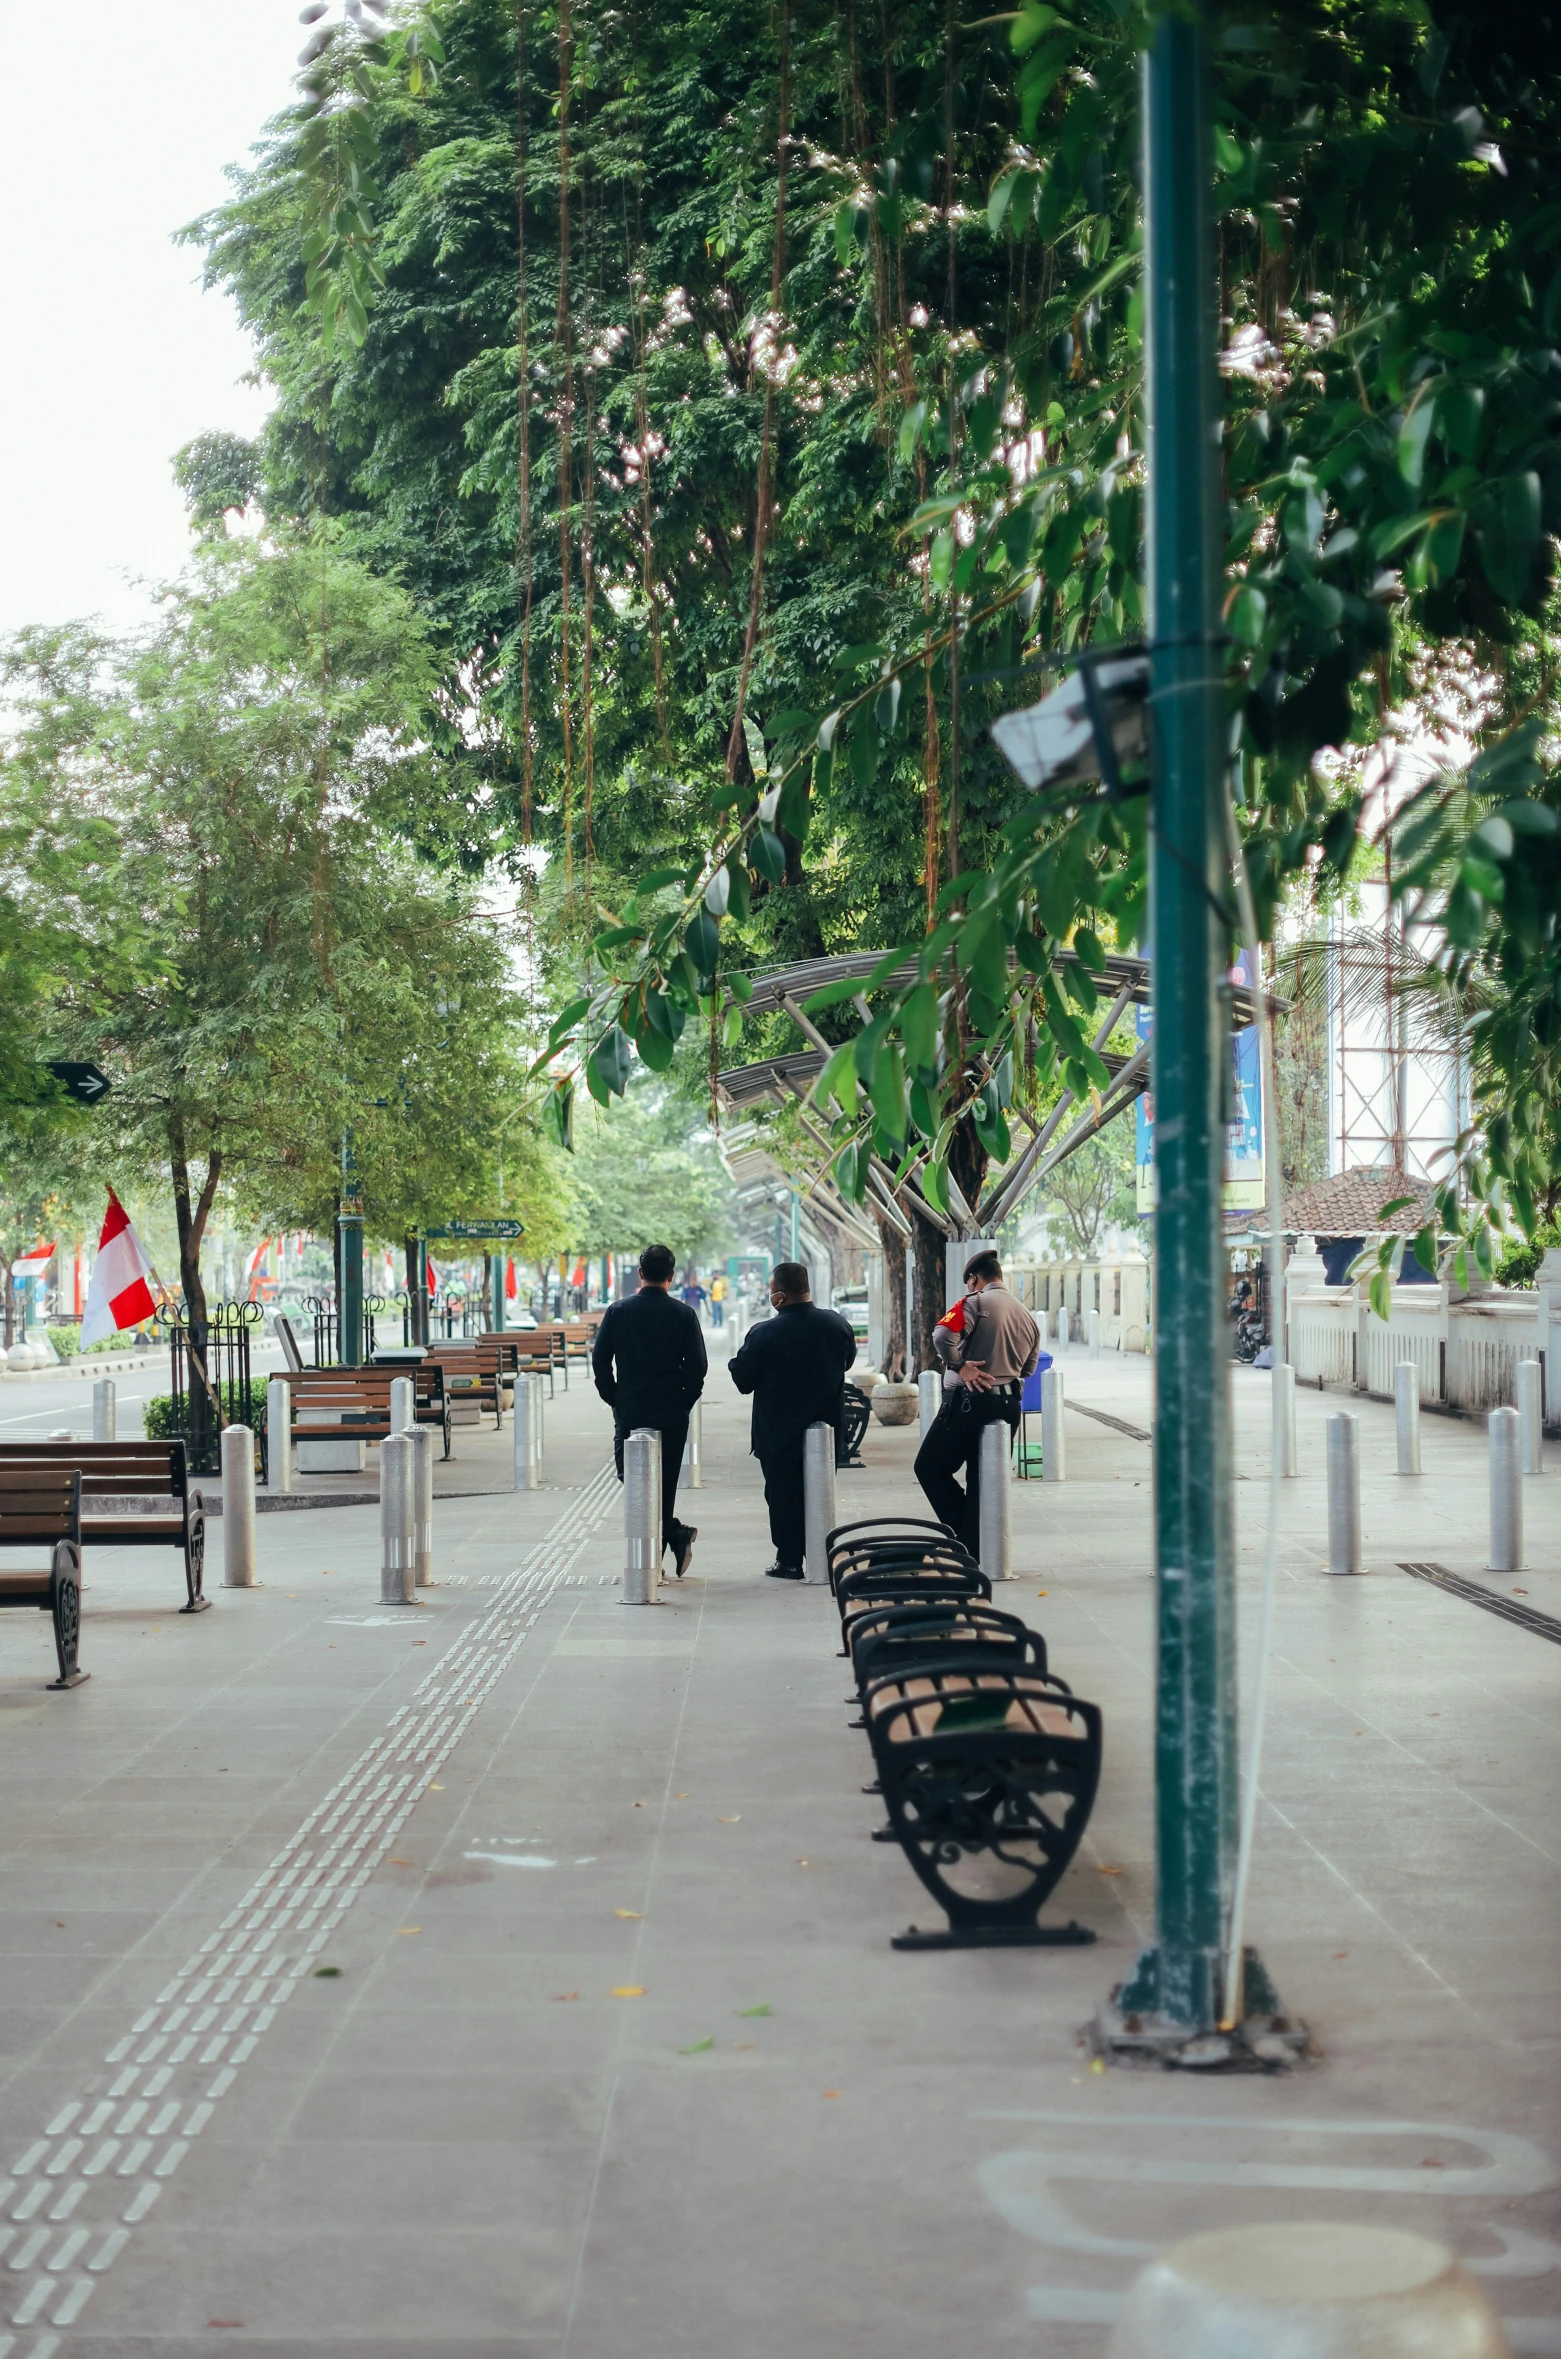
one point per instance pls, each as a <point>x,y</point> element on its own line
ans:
<point>195,1558</point>
<point>65,1608</point>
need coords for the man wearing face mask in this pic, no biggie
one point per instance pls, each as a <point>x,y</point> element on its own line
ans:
<point>795,1367</point>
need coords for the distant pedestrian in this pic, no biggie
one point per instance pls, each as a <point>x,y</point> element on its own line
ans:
<point>718,1302</point>
<point>649,1364</point>
<point>693,1293</point>
<point>994,1348</point>
<point>795,1367</point>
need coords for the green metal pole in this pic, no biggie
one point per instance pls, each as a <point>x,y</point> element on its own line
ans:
<point>350,1230</point>
<point>1195,1735</point>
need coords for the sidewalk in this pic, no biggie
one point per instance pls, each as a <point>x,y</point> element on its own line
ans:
<point>511,1974</point>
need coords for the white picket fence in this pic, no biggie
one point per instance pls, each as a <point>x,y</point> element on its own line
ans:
<point>1465,1353</point>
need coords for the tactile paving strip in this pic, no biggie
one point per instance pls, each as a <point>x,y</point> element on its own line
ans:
<point>74,2197</point>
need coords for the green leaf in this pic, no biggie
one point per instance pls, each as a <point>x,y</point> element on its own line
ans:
<point>1030,25</point>
<point>838,1081</point>
<point>1413,436</point>
<point>655,1049</point>
<point>1381,1293</point>
<point>746,2013</point>
<point>697,2048</point>
<point>558,1115</point>
<point>768,855</point>
<point>703,942</point>
<point>919,1028</point>
<point>607,1067</point>
<point>886,707</point>
<point>566,1021</point>
<point>1509,536</point>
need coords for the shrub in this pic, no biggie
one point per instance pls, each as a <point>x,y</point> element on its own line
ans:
<point>159,1425</point>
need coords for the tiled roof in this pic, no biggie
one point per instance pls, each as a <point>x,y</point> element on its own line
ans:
<point>1349,1205</point>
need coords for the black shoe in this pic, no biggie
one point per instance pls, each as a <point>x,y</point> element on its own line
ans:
<point>686,1548</point>
<point>784,1572</point>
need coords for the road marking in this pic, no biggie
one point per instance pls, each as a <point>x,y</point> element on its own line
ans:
<point>249,1967</point>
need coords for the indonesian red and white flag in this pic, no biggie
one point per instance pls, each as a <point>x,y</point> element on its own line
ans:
<point>33,1263</point>
<point>119,1295</point>
<point>511,1282</point>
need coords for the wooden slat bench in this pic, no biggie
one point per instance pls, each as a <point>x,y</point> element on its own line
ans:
<point>470,1379</point>
<point>528,1350</point>
<point>133,1495</point>
<point>40,1508</point>
<point>353,1404</point>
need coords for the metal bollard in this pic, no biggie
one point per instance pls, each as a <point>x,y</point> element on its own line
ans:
<point>929,1386</point>
<point>403,1404</point>
<point>1092,1333</point>
<point>528,1433</point>
<point>1343,1494</point>
<point>642,1545</point>
<point>1054,1447</point>
<point>818,1498</point>
<point>397,1548</point>
<point>422,1441</point>
<point>1406,1408</point>
<point>279,1434</point>
<point>696,1472</point>
<point>1062,1327</point>
<point>103,1410</point>
<point>238,1507</point>
<point>1531,1413</point>
<point>994,1544</point>
<point>1284,1418</point>
<point>1506,1460</point>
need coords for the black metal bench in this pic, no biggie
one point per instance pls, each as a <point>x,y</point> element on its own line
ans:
<point>856,1414</point>
<point>987,1763</point>
<point>40,1507</point>
<point>124,1488</point>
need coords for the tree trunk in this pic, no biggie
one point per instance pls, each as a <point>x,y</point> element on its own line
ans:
<point>10,1301</point>
<point>191,1216</point>
<point>927,1246</point>
<point>893,1302</point>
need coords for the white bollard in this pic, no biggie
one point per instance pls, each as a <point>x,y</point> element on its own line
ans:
<point>1343,1494</point>
<point>279,1434</point>
<point>103,1410</point>
<point>994,1543</point>
<point>422,1440</point>
<point>696,1472</point>
<point>1054,1447</point>
<point>238,1507</point>
<point>818,1498</point>
<point>642,1546</point>
<point>1284,1418</point>
<point>929,1387</point>
<point>1504,1430</point>
<point>1531,1413</point>
<point>1092,1333</point>
<point>1406,1410</point>
<point>1306,2290</point>
<point>528,1433</point>
<point>1062,1327</point>
<point>397,1542</point>
<point>403,1404</point>
<point>734,1320</point>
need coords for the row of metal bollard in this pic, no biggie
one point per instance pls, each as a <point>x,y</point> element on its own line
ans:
<point>1514,1439</point>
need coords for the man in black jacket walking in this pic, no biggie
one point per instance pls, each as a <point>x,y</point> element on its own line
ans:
<point>795,1367</point>
<point>649,1364</point>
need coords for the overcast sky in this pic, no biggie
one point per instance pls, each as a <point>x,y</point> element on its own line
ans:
<point>119,121</point>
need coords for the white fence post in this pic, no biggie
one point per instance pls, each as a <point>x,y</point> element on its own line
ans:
<point>1406,1404</point>
<point>1505,1442</point>
<point>818,1498</point>
<point>1531,1411</point>
<point>641,1516</point>
<point>1092,1333</point>
<point>238,1507</point>
<point>103,1410</point>
<point>994,1545</point>
<point>528,1433</point>
<point>929,1388</point>
<point>403,1404</point>
<point>696,1436</point>
<point>1054,1447</point>
<point>1343,1494</point>
<point>397,1534</point>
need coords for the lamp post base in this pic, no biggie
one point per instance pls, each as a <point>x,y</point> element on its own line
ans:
<point>1128,2028</point>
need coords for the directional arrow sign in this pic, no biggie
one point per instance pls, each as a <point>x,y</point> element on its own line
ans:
<point>477,1230</point>
<point>84,1083</point>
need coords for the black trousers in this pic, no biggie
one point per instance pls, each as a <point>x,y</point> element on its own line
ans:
<point>953,1446</point>
<point>783,1497</point>
<point>674,1436</point>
